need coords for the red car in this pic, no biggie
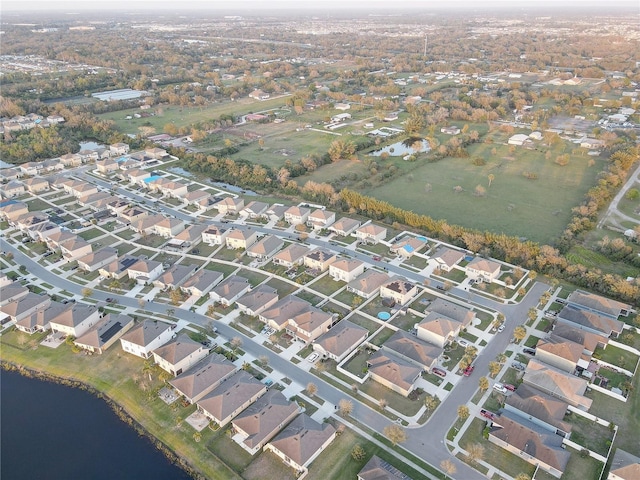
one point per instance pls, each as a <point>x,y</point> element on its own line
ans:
<point>439,372</point>
<point>511,388</point>
<point>467,371</point>
<point>487,414</point>
<point>377,258</point>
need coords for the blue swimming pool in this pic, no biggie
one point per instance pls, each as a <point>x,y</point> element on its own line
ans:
<point>424,239</point>
<point>384,316</point>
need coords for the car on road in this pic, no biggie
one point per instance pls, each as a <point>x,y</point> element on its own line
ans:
<point>439,372</point>
<point>313,357</point>
<point>501,328</point>
<point>487,414</point>
<point>510,387</point>
<point>377,258</point>
<point>529,351</point>
<point>111,300</point>
<point>468,371</point>
<point>462,342</point>
<point>498,387</point>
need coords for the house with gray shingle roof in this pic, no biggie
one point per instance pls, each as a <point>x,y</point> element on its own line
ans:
<point>230,290</point>
<point>412,349</point>
<point>394,372</point>
<point>341,339</point>
<point>557,383</point>
<point>75,321</point>
<point>257,300</point>
<point>203,377</point>
<point>147,336</point>
<point>179,354</point>
<point>266,247</point>
<point>542,409</point>
<point>368,284</point>
<point>95,260</point>
<point>105,333</point>
<point>201,282</point>
<point>25,305</point>
<point>590,321</point>
<point>40,320</point>
<point>598,304</point>
<point>292,255</point>
<point>174,276</point>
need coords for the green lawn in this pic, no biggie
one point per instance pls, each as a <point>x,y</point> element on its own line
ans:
<point>589,434</point>
<point>580,468</point>
<point>617,356</point>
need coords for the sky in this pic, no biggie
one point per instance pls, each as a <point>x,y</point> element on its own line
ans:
<point>361,5</point>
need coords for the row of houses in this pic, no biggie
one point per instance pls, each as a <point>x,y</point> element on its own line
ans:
<point>27,122</point>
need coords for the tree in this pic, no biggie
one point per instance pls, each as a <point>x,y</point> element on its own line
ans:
<point>264,360</point>
<point>519,333</point>
<point>480,191</point>
<point>475,452</point>
<point>395,434</point>
<point>345,407</point>
<point>312,389</point>
<point>483,383</point>
<point>115,285</point>
<point>358,453</point>
<point>431,402</point>
<point>236,342</point>
<point>532,314</point>
<point>175,296</point>
<point>501,358</point>
<point>494,369</point>
<point>87,292</point>
<point>463,412</point>
<point>448,467</point>
<point>491,178</point>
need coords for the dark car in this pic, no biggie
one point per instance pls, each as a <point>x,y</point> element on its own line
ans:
<point>439,372</point>
<point>377,258</point>
<point>487,414</point>
<point>529,351</point>
<point>467,371</point>
<point>111,300</point>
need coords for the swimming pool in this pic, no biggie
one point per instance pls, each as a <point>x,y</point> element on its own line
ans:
<point>384,316</point>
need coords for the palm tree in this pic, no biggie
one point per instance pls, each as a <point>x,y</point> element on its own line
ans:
<point>519,333</point>
<point>431,402</point>
<point>494,368</point>
<point>483,383</point>
<point>448,467</point>
<point>463,412</point>
<point>491,178</point>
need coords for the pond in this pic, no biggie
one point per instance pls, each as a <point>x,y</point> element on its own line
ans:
<point>89,145</point>
<point>405,147</point>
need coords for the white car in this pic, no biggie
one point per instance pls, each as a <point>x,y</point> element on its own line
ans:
<point>312,358</point>
<point>498,387</point>
<point>501,328</point>
<point>462,342</point>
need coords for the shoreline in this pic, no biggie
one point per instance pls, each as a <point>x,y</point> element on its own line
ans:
<point>118,409</point>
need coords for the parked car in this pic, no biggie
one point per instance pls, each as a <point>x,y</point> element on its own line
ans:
<point>518,366</point>
<point>509,387</point>
<point>501,328</point>
<point>111,300</point>
<point>313,357</point>
<point>487,414</point>
<point>529,351</point>
<point>377,258</point>
<point>439,372</point>
<point>498,387</point>
<point>468,371</point>
<point>462,342</point>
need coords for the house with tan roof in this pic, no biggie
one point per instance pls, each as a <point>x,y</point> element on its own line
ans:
<point>96,201</point>
<point>230,205</point>
<point>8,174</point>
<point>12,189</point>
<point>292,255</point>
<point>598,304</point>
<point>138,176</point>
<point>320,218</point>
<point>174,189</point>
<point>147,224</point>
<point>12,211</point>
<point>590,321</point>
<point>169,227</point>
<point>368,284</point>
<point>446,258</point>
<point>144,271</point>
<point>261,421</point>
<point>197,197</point>
<point>300,443</point>
<point>394,372</point>
<point>483,269</point>
<point>624,466</point>
<point>378,469</point>
<point>201,282</point>
<point>399,289</point>
<point>82,189</point>
<point>231,397</point>
<point>412,349</point>
<point>203,377</point>
<point>255,209</point>
<point>296,215</point>
<point>189,237</point>
<point>345,226</point>
<point>589,340</point>
<point>40,320</point>
<point>107,165</point>
<point>25,305</point>
<point>27,221</point>
<point>443,322</point>
<point>75,247</point>
<point>42,230</point>
<point>538,407</point>
<point>214,235</point>
<point>12,291</point>
<point>530,442</point>
<point>120,148</point>
<point>145,337</point>
<point>230,290</point>
<point>308,325</point>
<point>75,321</point>
<point>371,233</point>
<point>558,384</point>
<point>561,353</point>
<point>36,184</point>
<point>319,259</point>
<point>71,160</point>
<point>174,276</point>
<point>156,152</point>
<point>265,248</point>
<point>257,300</point>
<point>241,238</point>
<point>133,214</point>
<point>407,246</point>
<point>104,333</point>
<point>341,339</point>
<point>346,269</point>
<point>278,315</point>
<point>179,354</point>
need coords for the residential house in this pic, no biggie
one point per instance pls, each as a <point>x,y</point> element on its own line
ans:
<point>561,353</point>
<point>75,321</point>
<point>557,383</point>
<point>296,215</point>
<point>201,282</point>
<point>230,205</point>
<point>174,276</point>
<point>144,271</point>
<point>292,255</point>
<point>241,238</point>
<point>278,315</point>
<point>105,333</point>
<point>230,290</point>
<point>412,349</point>
<point>345,226</point>
<point>443,322</point>
<point>52,165</point>
<point>530,442</point>
<point>30,168</point>
<point>11,291</point>
<point>133,214</point>
<point>482,269</point>
<point>589,341</point>
<point>261,421</point>
<point>174,189</point>
<point>189,237</point>
<point>624,466</point>
<point>36,184</point>
<point>40,320</point>
<point>392,371</point>
<point>214,235</point>
<point>320,218</point>
<point>118,149</point>
<point>300,443</point>
<point>8,174</point>
<point>309,324</point>
<point>42,230</point>
<point>87,155</point>
<point>147,224</point>
<point>590,321</point>
<point>368,284</point>
<point>371,233</point>
<point>156,152</point>
<point>74,248</point>
<point>407,246</point>
<point>179,354</point>
<point>169,227</point>
<point>25,222</point>
<point>12,210</point>
<point>378,469</point>
<point>231,397</point>
<point>118,269</point>
<point>95,260</point>
<point>598,304</point>
<point>319,259</point>
<point>255,209</point>
<point>538,407</point>
<point>257,300</point>
<point>519,139</point>
<point>399,289</point>
<point>24,305</point>
<point>341,339</point>
<point>197,197</point>
<point>265,248</point>
<point>12,189</point>
<point>82,189</point>
<point>146,337</point>
<point>258,94</point>
<point>447,258</point>
<point>275,212</point>
<point>203,377</point>
<point>346,269</point>
<point>137,176</point>
<point>71,160</point>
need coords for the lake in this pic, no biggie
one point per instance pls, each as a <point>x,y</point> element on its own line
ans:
<point>406,147</point>
<point>50,431</point>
